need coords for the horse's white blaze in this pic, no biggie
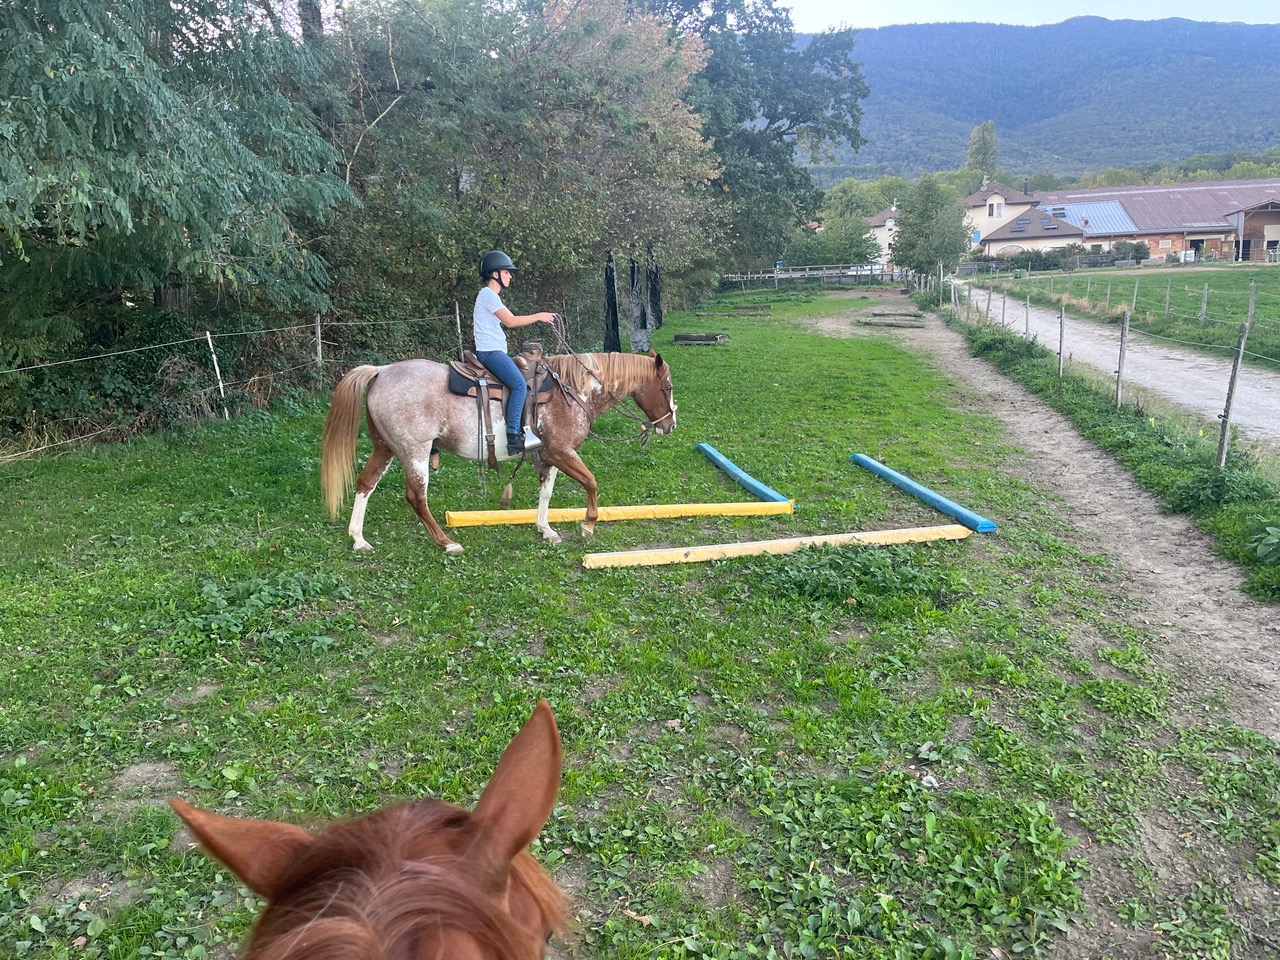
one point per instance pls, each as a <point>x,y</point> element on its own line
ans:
<point>544,503</point>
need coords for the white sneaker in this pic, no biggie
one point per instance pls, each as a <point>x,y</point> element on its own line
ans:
<point>531,442</point>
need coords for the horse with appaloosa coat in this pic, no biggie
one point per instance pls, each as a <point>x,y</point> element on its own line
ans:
<point>410,411</point>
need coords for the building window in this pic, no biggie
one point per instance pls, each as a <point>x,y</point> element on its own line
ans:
<point>1166,244</point>
<point>995,209</point>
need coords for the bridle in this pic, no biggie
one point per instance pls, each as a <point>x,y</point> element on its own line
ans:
<point>646,425</point>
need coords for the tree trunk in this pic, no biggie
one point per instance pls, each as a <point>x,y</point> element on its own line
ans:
<point>612,338</point>
<point>174,297</point>
<point>654,283</point>
<point>639,322</point>
<point>312,24</point>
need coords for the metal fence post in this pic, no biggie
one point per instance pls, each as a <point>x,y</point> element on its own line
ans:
<point>217,372</point>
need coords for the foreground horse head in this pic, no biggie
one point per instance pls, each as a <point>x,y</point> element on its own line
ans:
<point>415,881</point>
<point>410,413</point>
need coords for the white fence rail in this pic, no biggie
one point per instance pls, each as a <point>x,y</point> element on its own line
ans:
<point>827,273</point>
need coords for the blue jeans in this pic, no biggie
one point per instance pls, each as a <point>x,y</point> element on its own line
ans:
<point>506,370</point>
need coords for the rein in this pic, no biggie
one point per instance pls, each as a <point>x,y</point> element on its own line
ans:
<point>562,347</point>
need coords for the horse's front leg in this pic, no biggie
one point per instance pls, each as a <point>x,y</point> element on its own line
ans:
<point>546,483</point>
<point>573,467</point>
<point>417,474</point>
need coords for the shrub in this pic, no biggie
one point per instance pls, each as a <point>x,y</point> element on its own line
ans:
<point>1265,542</point>
<point>1207,488</point>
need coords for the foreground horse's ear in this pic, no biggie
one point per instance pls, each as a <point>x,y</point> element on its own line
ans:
<point>657,359</point>
<point>259,852</point>
<point>522,791</point>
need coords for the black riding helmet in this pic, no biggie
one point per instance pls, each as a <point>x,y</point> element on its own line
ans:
<point>492,262</point>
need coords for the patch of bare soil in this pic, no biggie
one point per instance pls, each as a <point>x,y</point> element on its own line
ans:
<point>1218,639</point>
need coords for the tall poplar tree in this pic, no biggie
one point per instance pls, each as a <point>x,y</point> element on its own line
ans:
<point>984,154</point>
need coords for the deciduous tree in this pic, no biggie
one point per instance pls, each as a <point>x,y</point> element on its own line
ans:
<point>931,231</point>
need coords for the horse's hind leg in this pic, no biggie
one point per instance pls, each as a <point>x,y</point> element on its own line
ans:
<point>417,474</point>
<point>546,483</point>
<point>374,470</point>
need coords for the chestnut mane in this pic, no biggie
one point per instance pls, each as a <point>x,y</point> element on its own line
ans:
<point>365,892</point>
<point>423,880</point>
<point>619,372</point>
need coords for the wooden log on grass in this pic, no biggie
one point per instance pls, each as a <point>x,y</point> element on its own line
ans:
<point>721,551</point>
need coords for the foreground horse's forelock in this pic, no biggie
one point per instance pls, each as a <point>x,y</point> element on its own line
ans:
<point>410,882</point>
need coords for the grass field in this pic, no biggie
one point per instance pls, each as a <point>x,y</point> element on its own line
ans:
<point>940,751</point>
<point>1170,301</point>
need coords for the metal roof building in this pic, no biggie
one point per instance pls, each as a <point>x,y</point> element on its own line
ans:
<point>1206,216</point>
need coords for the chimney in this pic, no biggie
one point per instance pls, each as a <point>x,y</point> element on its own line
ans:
<point>1026,185</point>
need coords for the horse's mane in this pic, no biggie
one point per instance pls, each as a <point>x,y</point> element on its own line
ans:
<point>619,372</point>
<point>366,891</point>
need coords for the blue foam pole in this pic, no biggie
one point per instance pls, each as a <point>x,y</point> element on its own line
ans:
<point>749,483</point>
<point>935,500</point>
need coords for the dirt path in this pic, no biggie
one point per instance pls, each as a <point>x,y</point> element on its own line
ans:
<point>1192,381</point>
<point>1215,633</point>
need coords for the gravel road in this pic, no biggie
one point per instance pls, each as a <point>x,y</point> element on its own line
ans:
<point>1194,381</point>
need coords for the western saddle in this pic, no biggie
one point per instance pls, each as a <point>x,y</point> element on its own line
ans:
<point>469,377</point>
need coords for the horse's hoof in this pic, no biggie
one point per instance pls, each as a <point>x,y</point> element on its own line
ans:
<point>551,537</point>
<point>362,546</point>
<point>588,532</point>
<point>453,548</point>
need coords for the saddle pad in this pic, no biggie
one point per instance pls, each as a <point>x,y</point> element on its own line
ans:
<point>469,386</point>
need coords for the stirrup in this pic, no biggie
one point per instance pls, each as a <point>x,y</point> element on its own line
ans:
<point>531,441</point>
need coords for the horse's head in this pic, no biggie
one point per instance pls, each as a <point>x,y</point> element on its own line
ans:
<point>656,398</point>
<point>410,882</point>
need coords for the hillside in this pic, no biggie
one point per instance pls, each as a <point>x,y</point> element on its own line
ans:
<point>1084,94</point>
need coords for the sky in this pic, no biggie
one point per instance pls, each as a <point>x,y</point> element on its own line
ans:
<point>813,16</point>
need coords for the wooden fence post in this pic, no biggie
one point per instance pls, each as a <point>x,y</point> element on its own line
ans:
<point>1108,293</point>
<point>1133,307</point>
<point>1225,436</point>
<point>1028,316</point>
<point>1124,337</point>
<point>319,353</point>
<point>1204,304</point>
<point>1062,337</point>
<point>1168,291</point>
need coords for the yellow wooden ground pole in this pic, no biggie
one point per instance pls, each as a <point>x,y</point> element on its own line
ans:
<point>720,551</point>
<point>476,518</point>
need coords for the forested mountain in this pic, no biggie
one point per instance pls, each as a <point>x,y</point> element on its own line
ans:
<point>1080,95</point>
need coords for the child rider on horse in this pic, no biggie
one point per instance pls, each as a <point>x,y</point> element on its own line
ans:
<point>490,317</point>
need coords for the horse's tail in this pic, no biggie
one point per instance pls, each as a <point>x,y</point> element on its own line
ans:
<point>338,450</point>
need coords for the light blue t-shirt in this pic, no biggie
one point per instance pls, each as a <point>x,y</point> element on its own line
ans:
<point>489,332</point>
